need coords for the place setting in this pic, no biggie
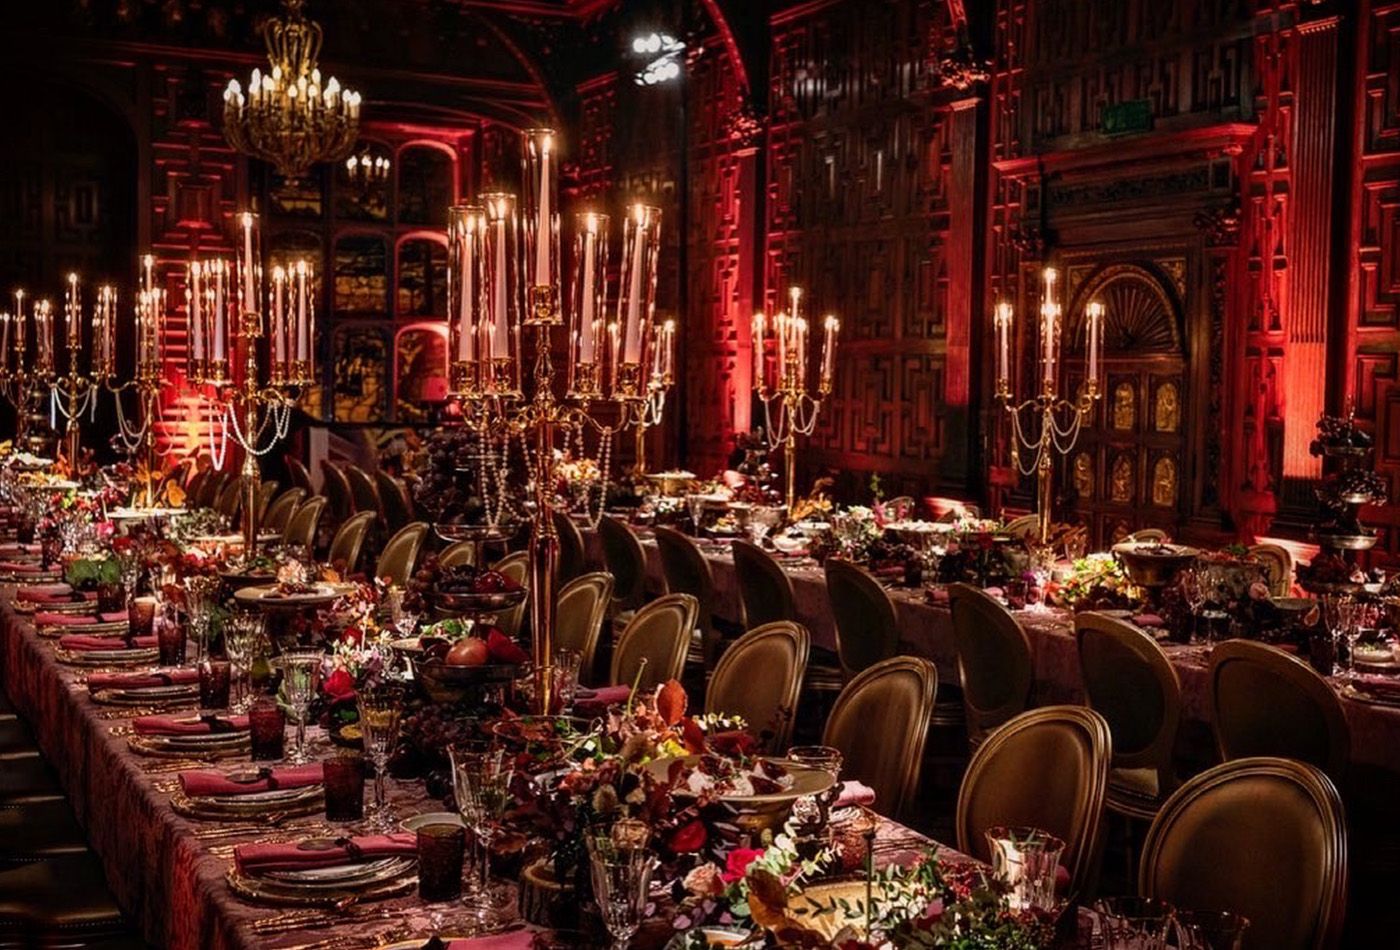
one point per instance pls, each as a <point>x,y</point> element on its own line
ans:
<point>208,736</point>
<point>152,688</point>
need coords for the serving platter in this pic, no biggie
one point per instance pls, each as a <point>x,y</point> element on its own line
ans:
<point>805,781</point>
<point>275,803</point>
<point>216,745</point>
<point>267,595</point>
<point>261,890</point>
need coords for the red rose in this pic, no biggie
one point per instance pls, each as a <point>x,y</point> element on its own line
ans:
<point>688,837</point>
<point>353,635</point>
<point>736,863</point>
<point>339,685</point>
<point>735,743</point>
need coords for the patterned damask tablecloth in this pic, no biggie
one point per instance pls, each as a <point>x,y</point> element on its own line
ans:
<point>926,631</point>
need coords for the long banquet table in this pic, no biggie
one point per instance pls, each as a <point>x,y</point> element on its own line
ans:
<point>926,631</point>
<point>168,880</point>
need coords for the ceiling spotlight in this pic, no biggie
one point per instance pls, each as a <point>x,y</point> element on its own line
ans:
<point>663,52</point>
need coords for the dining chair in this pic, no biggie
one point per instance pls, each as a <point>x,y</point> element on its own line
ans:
<point>194,488</point>
<point>880,723</point>
<point>1021,527</point>
<point>344,553</point>
<point>62,902</point>
<point>230,500</point>
<point>393,501</point>
<point>210,489</point>
<point>300,474</point>
<point>400,554</point>
<point>1268,703</point>
<point>582,605</point>
<point>302,526</point>
<point>994,660</point>
<point>898,507</point>
<point>1047,769</point>
<point>759,678</point>
<point>458,552</point>
<point>1153,535</point>
<point>765,590</point>
<point>626,562</point>
<point>337,489</point>
<point>1278,563</point>
<point>39,831</point>
<point>1131,683</point>
<point>515,566</point>
<point>866,626</point>
<point>280,512</point>
<point>658,633</point>
<point>1261,837</point>
<point>573,561</point>
<point>362,490</point>
<point>687,571</point>
<point>266,492</point>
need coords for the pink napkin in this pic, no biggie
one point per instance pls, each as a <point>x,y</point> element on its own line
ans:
<point>142,680</point>
<point>77,643</point>
<point>522,939</point>
<point>217,783</point>
<point>598,700</point>
<point>184,726</point>
<point>937,595</point>
<point>46,619</point>
<point>20,567</point>
<point>1149,620</point>
<point>38,592</point>
<point>854,793</point>
<point>261,858</point>
<point>11,548</point>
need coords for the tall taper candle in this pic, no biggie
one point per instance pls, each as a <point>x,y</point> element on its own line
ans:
<point>758,361</point>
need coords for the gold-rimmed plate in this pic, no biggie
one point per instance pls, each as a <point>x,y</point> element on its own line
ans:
<point>80,606</point>
<point>213,746</point>
<point>263,891</point>
<point>1360,694</point>
<point>96,628</point>
<point>30,577</point>
<point>280,803</point>
<point>118,656</point>
<point>153,696</point>
<point>355,873</point>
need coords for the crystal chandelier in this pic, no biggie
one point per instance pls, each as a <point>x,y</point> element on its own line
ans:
<point>288,116</point>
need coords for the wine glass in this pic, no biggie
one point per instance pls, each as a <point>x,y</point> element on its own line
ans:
<point>301,677</point>
<point>199,606</point>
<point>380,708</point>
<point>242,631</point>
<point>696,503</point>
<point>481,778</point>
<point>1194,590</point>
<point>815,810</point>
<point>621,868</point>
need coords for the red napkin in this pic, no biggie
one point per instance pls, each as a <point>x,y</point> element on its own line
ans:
<point>261,858</point>
<point>44,618</point>
<point>522,939</point>
<point>20,567</point>
<point>1381,687</point>
<point>217,783</point>
<point>78,643</point>
<point>1149,620</point>
<point>41,592</point>
<point>854,793</point>
<point>11,548</point>
<point>178,726</point>
<point>142,680</point>
<point>598,700</point>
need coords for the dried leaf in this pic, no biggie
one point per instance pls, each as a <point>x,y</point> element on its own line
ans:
<point>768,902</point>
<point>671,702</point>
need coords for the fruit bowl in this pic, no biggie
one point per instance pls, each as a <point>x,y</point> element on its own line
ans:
<point>445,683</point>
<point>1153,564</point>
<point>463,603</point>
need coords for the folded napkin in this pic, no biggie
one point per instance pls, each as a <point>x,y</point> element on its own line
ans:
<point>294,856</point>
<point>143,680</point>
<point>11,548</point>
<point>21,567</point>
<point>184,726</point>
<point>217,783</point>
<point>598,700</point>
<point>46,619</point>
<point>79,643</point>
<point>936,595</point>
<point>1382,687</point>
<point>522,939</point>
<point>854,793</point>
<point>1149,620</point>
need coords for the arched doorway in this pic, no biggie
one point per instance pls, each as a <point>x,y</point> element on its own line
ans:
<point>1128,468</point>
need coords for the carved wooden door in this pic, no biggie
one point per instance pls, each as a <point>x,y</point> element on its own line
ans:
<point>1127,470</point>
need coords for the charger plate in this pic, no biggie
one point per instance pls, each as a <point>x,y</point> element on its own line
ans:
<point>217,745</point>
<point>140,656</point>
<point>292,802</point>
<point>260,890</point>
<point>173,695</point>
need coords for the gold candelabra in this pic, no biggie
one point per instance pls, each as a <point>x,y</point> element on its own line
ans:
<point>503,281</point>
<point>74,393</point>
<point>796,408</point>
<point>226,313</point>
<point>147,382</point>
<point>1052,437</point>
<point>21,380</point>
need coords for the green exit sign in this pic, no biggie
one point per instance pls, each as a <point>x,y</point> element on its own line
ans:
<point>1120,118</point>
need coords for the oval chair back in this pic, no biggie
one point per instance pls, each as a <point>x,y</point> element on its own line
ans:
<point>994,660</point>
<point>362,489</point>
<point>1047,769</point>
<point>1260,837</point>
<point>337,489</point>
<point>660,633</point>
<point>458,552</point>
<point>281,510</point>
<point>880,723</point>
<point>393,501</point>
<point>300,475</point>
<point>301,528</point>
<point>866,626</point>
<point>688,572</point>
<point>194,488</point>
<point>1131,683</point>
<point>1022,527</point>
<point>759,678</point>
<point>211,488</point>
<point>765,590</point>
<point>898,508</point>
<point>266,492</point>
<point>573,562</point>
<point>517,567</point>
<point>1268,703</point>
<point>1278,563</point>
<point>625,560</point>
<point>349,540</point>
<point>583,603</point>
<point>400,555</point>
<point>230,500</point>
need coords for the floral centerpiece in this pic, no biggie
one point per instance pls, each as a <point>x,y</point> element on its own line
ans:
<point>1095,582</point>
<point>576,480</point>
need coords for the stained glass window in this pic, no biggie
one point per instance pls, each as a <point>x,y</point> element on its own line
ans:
<point>300,198</point>
<point>422,278</point>
<point>360,374</point>
<point>361,274</point>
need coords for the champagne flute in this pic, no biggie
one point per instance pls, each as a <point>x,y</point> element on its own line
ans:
<point>241,634</point>
<point>621,869</point>
<point>380,708</point>
<point>301,677</point>
<point>481,784</point>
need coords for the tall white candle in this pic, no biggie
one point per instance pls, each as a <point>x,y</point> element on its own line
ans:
<point>758,322</point>
<point>632,338</point>
<point>1095,330</point>
<point>250,293</point>
<point>1003,328</point>
<point>279,316</point>
<point>148,279</point>
<point>196,309</point>
<point>19,329</point>
<point>668,366</point>
<point>831,325</point>
<point>588,307</point>
<point>5,341</point>
<point>544,227</point>
<point>219,306</point>
<point>500,328</point>
<point>1048,327</point>
<point>303,346</point>
<point>615,345</point>
<point>470,249</point>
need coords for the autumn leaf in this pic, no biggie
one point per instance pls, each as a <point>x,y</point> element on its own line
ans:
<point>670,702</point>
<point>768,902</point>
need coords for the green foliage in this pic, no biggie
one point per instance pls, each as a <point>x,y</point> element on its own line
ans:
<point>90,572</point>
